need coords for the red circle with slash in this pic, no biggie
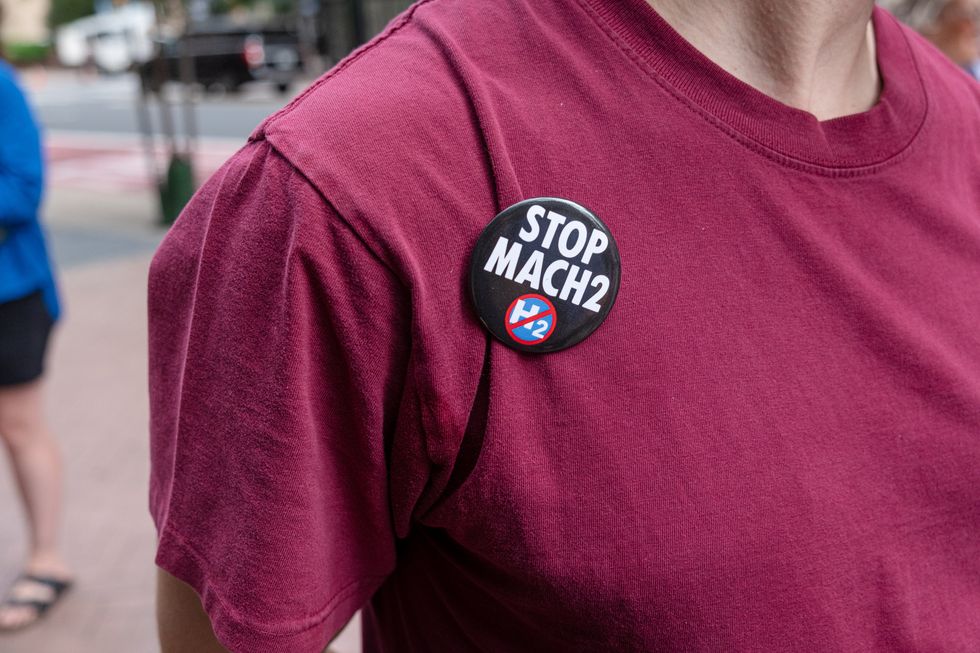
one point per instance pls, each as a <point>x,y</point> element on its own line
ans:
<point>535,327</point>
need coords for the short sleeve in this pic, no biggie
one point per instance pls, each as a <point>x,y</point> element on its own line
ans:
<point>278,355</point>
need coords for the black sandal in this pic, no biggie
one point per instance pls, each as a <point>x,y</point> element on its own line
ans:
<point>40,607</point>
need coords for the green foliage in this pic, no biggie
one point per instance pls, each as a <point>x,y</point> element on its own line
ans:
<point>283,7</point>
<point>278,7</point>
<point>21,54</point>
<point>220,7</point>
<point>65,11</point>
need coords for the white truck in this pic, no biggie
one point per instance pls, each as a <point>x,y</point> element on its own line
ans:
<point>114,40</point>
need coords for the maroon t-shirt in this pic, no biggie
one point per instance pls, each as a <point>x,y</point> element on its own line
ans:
<point>771,444</point>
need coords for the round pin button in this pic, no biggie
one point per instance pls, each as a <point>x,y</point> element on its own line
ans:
<point>544,274</point>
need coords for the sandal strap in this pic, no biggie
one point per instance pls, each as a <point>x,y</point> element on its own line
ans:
<point>39,606</point>
<point>57,585</point>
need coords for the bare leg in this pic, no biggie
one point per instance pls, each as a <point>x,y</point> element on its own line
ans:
<point>36,464</point>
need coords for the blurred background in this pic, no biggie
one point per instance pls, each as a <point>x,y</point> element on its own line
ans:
<point>139,103</point>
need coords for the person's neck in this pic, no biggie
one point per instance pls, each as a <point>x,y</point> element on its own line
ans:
<point>815,55</point>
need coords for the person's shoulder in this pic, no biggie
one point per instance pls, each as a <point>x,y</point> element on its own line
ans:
<point>17,122</point>
<point>407,94</point>
<point>397,128</point>
<point>412,68</point>
<point>8,79</point>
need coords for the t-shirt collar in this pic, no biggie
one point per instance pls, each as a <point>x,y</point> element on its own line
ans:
<point>858,140</point>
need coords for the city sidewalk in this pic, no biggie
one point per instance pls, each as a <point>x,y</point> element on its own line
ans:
<point>97,403</point>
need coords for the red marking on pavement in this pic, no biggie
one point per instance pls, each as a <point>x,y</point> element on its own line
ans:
<point>82,164</point>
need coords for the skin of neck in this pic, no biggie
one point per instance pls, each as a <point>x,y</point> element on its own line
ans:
<point>814,55</point>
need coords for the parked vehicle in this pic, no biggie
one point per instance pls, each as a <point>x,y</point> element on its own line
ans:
<point>113,41</point>
<point>225,59</point>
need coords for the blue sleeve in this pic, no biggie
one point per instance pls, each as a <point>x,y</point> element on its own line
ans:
<point>21,166</point>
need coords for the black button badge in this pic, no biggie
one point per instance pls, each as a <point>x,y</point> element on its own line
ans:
<point>544,274</point>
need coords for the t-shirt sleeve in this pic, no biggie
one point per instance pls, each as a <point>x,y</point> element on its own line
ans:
<point>278,356</point>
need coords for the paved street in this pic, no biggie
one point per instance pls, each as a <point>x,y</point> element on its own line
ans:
<point>107,161</point>
<point>77,101</point>
<point>101,211</point>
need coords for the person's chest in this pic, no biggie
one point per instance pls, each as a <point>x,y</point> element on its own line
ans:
<point>773,436</point>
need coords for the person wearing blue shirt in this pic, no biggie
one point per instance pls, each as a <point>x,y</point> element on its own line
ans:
<point>28,309</point>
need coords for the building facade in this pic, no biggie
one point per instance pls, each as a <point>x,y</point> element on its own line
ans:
<point>25,21</point>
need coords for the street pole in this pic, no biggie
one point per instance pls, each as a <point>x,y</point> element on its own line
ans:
<point>358,22</point>
<point>176,185</point>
